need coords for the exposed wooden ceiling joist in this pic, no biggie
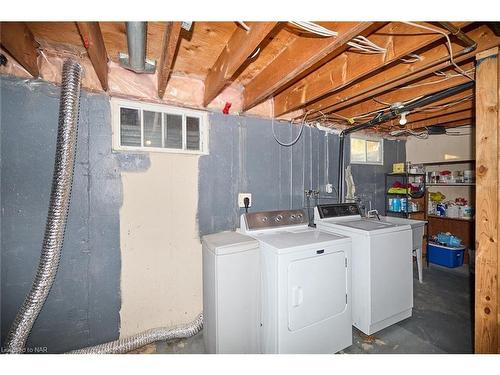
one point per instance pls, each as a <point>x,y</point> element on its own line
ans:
<point>239,47</point>
<point>18,40</point>
<point>424,115</point>
<point>300,58</point>
<point>399,39</point>
<point>464,115</point>
<point>94,44</point>
<point>434,59</point>
<point>414,90</point>
<point>169,47</point>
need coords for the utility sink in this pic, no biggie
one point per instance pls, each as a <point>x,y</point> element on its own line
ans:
<point>417,227</point>
<point>417,235</point>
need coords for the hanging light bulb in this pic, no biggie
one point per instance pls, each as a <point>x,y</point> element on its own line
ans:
<point>402,119</point>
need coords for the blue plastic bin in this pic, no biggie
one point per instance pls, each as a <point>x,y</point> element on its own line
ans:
<point>450,257</point>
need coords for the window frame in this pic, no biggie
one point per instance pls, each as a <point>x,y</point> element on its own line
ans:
<point>370,139</point>
<point>118,103</point>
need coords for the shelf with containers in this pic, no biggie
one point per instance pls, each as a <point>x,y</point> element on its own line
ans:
<point>454,218</point>
<point>407,203</point>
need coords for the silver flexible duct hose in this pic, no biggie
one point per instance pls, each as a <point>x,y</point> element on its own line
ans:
<point>58,209</point>
<point>54,236</point>
<point>146,337</point>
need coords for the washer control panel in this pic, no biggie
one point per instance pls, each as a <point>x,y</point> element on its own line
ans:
<point>273,219</point>
<point>337,210</point>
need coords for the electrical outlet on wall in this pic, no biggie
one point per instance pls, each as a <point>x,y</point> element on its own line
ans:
<point>329,188</point>
<point>241,197</point>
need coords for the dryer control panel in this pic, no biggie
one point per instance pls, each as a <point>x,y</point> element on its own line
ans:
<point>273,219</point>
<point>337,210</point>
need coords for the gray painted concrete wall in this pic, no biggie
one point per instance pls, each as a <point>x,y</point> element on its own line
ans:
<point>370,179</point>
<point>244,157</point>
<point>83,306</point>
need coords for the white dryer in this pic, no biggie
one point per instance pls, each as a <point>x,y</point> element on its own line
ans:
<point>305,284</point>
<point>382,280</point>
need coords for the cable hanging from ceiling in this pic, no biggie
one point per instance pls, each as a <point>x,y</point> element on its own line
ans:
<point>287,144</point>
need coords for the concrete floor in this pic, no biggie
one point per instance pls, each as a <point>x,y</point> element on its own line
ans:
<point>441,321</point>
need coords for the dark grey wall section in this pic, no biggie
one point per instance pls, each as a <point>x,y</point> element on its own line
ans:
<point>244,157</point>
<point>370,179</point>
<point>83,306</point>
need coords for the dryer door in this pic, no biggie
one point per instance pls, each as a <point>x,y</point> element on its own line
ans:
<point>316,289</point>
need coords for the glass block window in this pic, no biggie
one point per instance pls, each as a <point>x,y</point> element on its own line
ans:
<point>155,127</point>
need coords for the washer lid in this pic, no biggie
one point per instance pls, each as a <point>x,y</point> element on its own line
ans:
<point>229,242</point>
<point>367,225</point>
<point>289,239</point>
<point>362,226</point>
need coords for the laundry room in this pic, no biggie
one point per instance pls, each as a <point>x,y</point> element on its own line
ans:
<point>202,187</point>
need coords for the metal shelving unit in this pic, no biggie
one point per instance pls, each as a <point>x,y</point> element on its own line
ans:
<point>405,179</point>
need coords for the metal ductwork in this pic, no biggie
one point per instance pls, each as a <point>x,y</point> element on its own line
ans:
<point>58,209</point>
<point>146,337</point>
<point>137,41</point>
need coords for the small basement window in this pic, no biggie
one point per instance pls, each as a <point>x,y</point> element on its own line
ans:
<point>141,126</point>
<point>367,151</point>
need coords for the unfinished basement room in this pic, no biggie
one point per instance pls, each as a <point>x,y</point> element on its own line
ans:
<point>202,187</point>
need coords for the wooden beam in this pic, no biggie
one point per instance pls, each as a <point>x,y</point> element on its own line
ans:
<point>422,87</point>
<point>401,74</point>
<point>462,108</point>
<point>450,124</point>
<point>439,120</point>
<point>239,47</point>
<point>399,39</point>
<point>94,44</point>
<point>168,50</point>
<point>433,110</point>
<point>486,331</point>
<point>300,58</point>
<point>18,40</point>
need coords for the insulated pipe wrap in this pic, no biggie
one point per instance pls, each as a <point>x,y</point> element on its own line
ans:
<point>58,209</point>
<point>146,337</point>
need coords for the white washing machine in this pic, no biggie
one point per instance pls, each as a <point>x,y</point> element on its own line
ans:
<point>382,280</point>
<point>305,284</point>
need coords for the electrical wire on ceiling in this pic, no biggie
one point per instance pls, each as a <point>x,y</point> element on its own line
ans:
<point>359,43</point>
<point>450,49</point>
<point>446,78</point>
<point>244,25</point>
<point>446,105</point>
<point>413,58</point>
<point>421,135</point>
<point>363,116</point>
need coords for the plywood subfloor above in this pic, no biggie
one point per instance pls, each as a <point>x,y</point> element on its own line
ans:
<point>273,67</point>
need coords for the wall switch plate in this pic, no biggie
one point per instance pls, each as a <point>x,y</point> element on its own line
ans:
<point>329,188</point>
<point>241,197</point>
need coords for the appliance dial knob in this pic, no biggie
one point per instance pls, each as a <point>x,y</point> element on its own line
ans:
<point>278,218</point>
<point>264,219</point>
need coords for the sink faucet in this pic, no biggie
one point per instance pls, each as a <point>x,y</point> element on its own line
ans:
<point>373,213</point>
